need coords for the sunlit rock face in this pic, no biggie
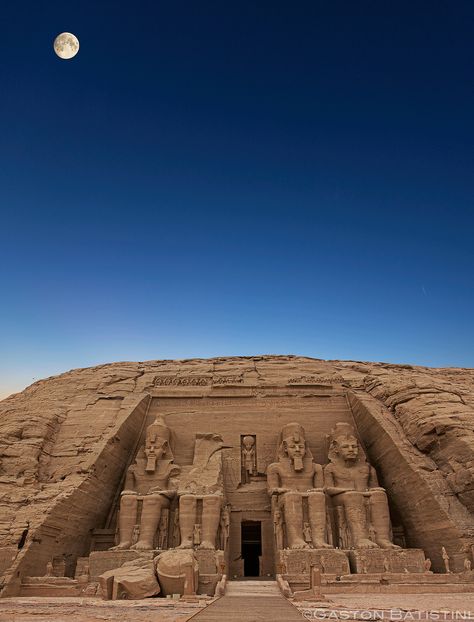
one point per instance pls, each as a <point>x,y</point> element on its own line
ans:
<point>67,442</point>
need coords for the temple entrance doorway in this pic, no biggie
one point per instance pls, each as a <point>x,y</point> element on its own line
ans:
<point>251,547</point>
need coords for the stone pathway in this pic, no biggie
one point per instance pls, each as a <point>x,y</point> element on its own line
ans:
<point>250,601</point>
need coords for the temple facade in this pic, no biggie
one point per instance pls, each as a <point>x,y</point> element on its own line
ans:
<point>209,480</point>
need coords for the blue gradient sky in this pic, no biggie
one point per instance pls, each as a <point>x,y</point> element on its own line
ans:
<point>239,177</point>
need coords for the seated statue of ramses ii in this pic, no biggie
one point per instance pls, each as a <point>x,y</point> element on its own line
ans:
<point>150,479</point>
<point>352,484</point>
<point>295,483</point>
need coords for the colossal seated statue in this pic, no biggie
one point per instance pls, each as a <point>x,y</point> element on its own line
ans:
<point>352,484</point>
<point>201,494</point>
<point>149,480</point>
<point>296,485</point>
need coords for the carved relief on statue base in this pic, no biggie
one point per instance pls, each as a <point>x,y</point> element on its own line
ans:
<point>369,561</point>
<point>299,561</point>
<point>211,565</point>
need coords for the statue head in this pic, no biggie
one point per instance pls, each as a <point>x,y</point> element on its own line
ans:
<point>157,440</point>
<point>248,442</point>
<point>293,444</point>
<point>343,443</point>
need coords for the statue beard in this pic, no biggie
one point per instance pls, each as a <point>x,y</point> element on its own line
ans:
<point>298,463</point>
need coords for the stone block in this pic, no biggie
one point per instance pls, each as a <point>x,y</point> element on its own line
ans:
<point>210,570</point>
<point>132,581</point>
<point>207,583</point>
<point>103,561</point>
<point>369,561</point>
<point>49,586</point>
<point>102,539</point>
<point>209,561</point>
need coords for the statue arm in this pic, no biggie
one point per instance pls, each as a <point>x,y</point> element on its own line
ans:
<point>318,476</point>
<point>273,480</point>
<point>173,482</point>
<point>330,483</point>
<point>373,480</point>
<point>129,486</point>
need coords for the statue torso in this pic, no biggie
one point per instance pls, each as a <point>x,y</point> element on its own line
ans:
<point>145,481</point>
<point>355,477</point>
<point>295,480</point>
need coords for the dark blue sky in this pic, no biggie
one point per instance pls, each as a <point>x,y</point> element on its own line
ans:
<point>238,177</point>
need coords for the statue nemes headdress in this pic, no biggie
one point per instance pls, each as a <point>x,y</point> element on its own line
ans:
<point>341,432</point>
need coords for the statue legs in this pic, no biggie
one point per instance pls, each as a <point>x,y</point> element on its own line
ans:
<point>381,519</point>
<point>187,517</point>
<point>293,511</point>
<point>317,519</point>
<point>211,513</point>
<point>150,519</point>
<point>127,518</point>
<point>356,517</point>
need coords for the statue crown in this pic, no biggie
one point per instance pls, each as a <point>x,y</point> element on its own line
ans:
<point>159,428</point>
<point>341,430</point>
<point>293,430</point>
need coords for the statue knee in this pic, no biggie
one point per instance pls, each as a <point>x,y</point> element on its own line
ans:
<point>128,501</point>
<point>378,497</point>
<point>187,501</point>
<point>154,501</point>
<point>213,501</point>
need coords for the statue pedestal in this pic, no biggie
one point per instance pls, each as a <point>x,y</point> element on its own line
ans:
<point>50,586</point>
<point>373,561</point>
<point>210,570</point>
<point>299,561</point>
<point>295,565</point>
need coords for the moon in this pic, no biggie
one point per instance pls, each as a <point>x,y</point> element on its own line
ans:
<point>66,45</point>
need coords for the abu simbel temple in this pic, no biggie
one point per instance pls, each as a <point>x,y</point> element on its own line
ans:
<point>177,478</point>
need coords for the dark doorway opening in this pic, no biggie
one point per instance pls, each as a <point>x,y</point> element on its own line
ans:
<point>251,547</point>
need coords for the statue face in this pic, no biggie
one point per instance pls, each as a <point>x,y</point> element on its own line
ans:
<point>157,450</point>
<point>248,442</point>
<point>348,448</point>
<point>295,448</point>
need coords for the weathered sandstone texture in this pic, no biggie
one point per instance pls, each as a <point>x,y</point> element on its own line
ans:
<point>68,442</point>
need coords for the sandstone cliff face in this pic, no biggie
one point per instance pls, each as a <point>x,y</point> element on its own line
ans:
<point>65,443</point>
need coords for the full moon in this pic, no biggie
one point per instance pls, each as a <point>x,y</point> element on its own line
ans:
<point>66,45</point>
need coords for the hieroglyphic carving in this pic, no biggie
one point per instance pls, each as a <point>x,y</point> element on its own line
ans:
<point>227,380</point>
<point>178,381</point>
<point>321,380</point>
<point>329,561</point>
